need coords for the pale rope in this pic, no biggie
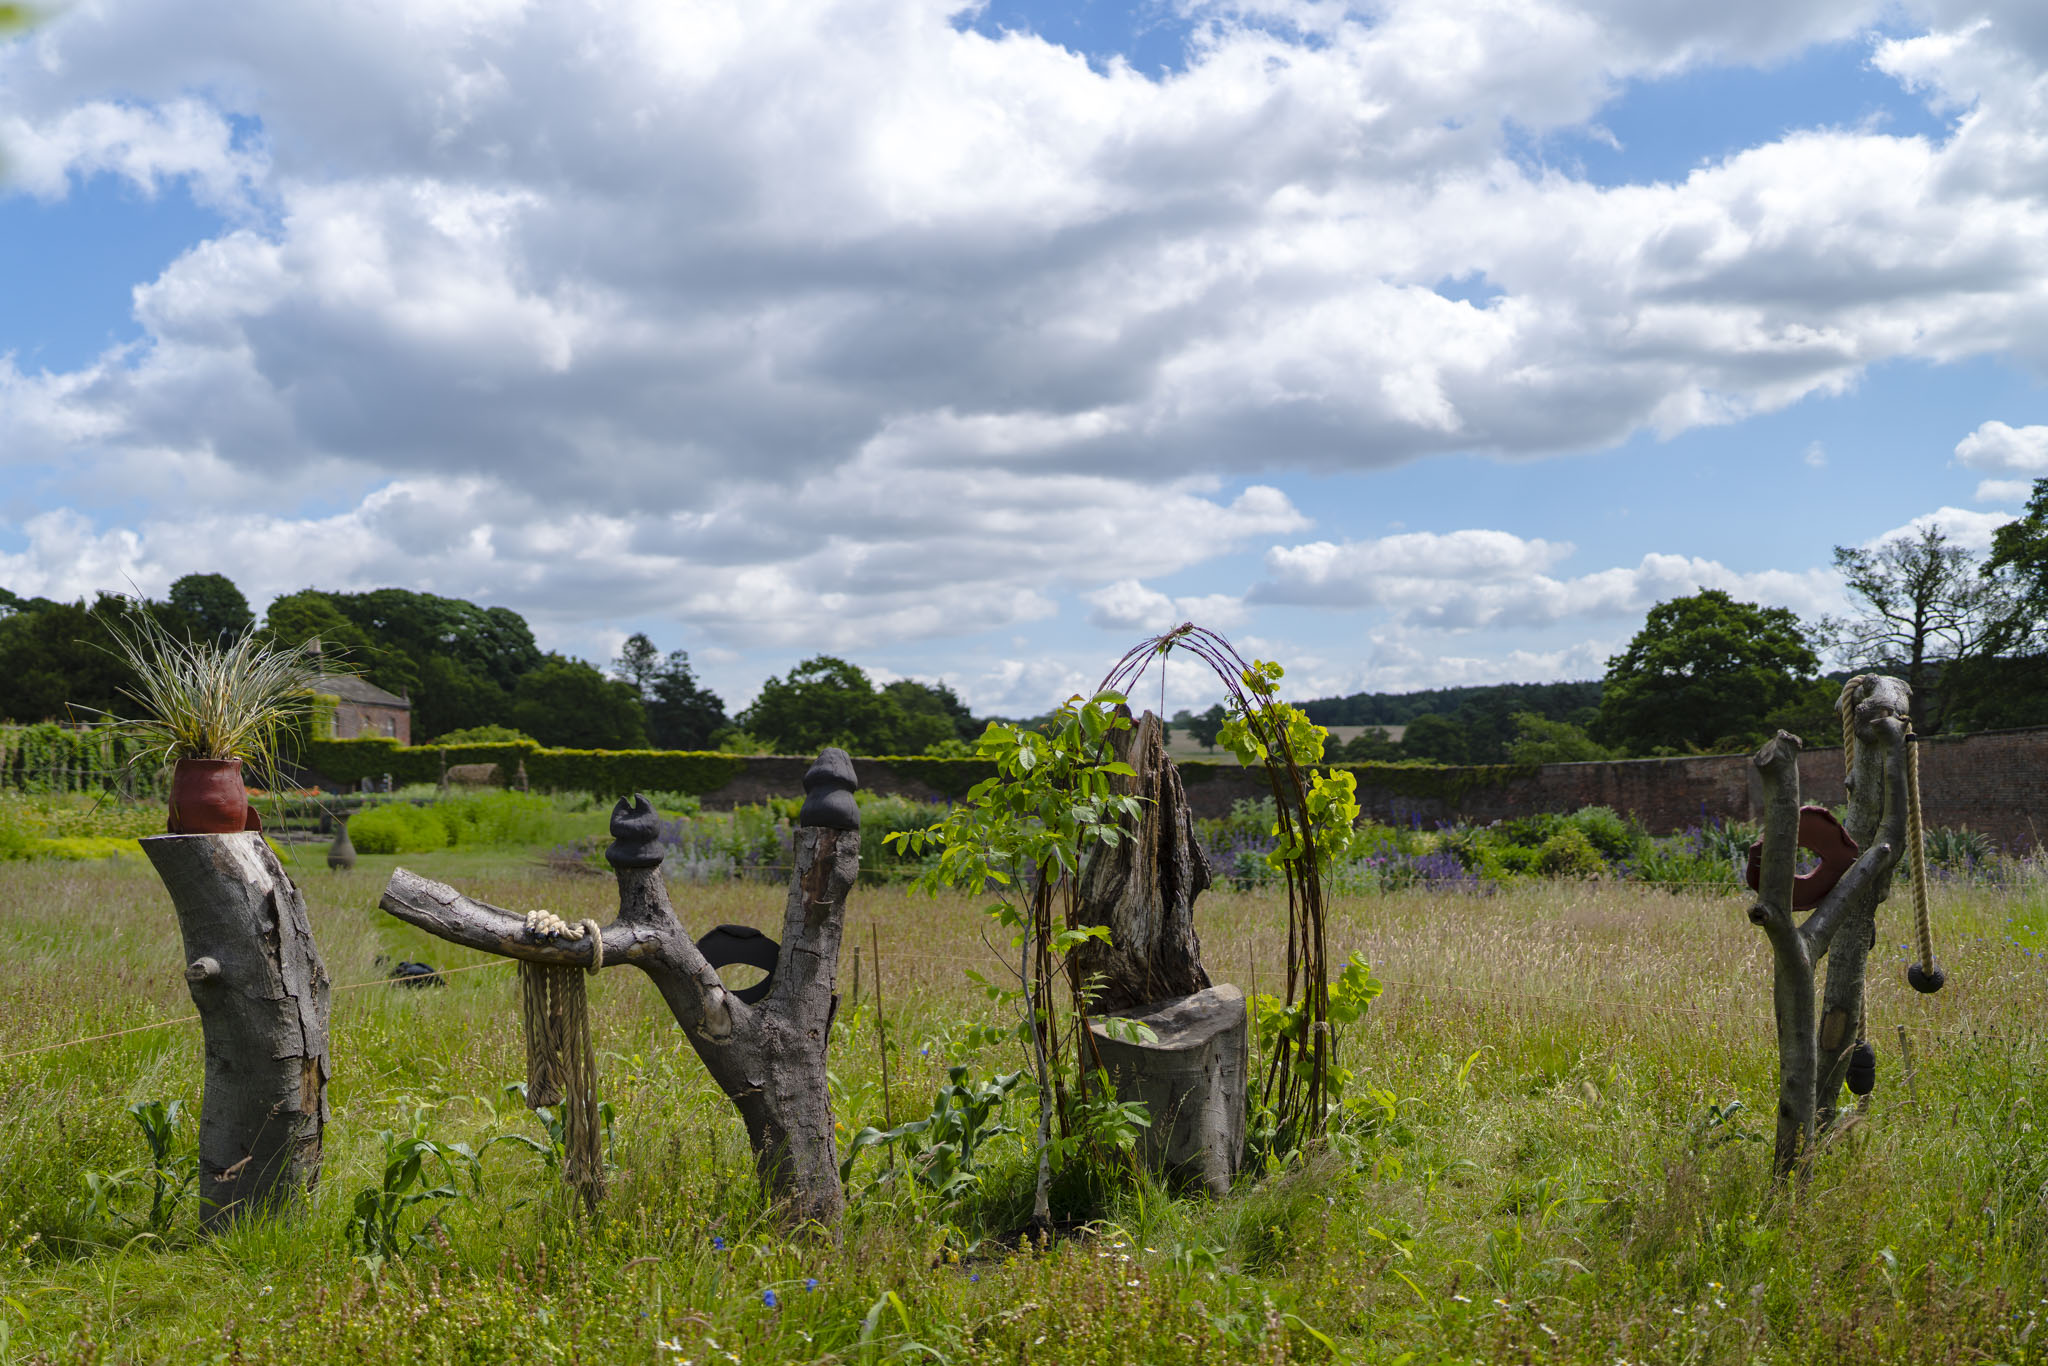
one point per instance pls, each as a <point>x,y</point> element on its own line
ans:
<point>1916,840</point>
<point>1846,705</point>
<point>1916,833</point>
<point>561,1062</point>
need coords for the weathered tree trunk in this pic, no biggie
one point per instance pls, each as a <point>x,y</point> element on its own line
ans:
<point>768,1058</point>
<point>1144,888</point>
<point>262,996</point>
<point>1192,1078</point>
<point>1813,1055</point>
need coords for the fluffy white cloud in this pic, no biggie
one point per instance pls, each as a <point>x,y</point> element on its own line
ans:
<point>872,564</point>
<point>1128,605</point>
<point>1999,449</point>
<point>1965,528</point>
<point>181,139</point>
<point>611,247</point>
<point>1468,580</point>
<point>825,323</point>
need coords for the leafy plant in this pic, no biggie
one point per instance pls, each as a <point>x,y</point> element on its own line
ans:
<point>411,1159</point>
<point>554,1151</point>
<point>1568,853</point>
<point>939,1150</point>
<point>169,1177</point>
<point>1020,835</point>
<point>233,699</point>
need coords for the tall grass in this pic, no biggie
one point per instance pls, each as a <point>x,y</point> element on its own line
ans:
<point>1549,1153</point>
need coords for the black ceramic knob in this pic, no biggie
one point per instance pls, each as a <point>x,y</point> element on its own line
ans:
<point>828,793</point>
<point>1863,1068</point>
<point>1926,980</point>
<point>636,835</point>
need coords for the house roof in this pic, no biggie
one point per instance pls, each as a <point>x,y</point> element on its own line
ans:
<point>350,688</point>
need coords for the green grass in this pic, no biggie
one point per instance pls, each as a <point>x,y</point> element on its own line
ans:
<point>1538,1173</point>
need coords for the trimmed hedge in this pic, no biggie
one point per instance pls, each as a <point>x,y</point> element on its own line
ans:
<point>606,772</point>
<point>1447,783</point>
<point>622,772</point>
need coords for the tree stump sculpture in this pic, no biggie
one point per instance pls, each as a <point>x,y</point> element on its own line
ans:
<point>1817,1052</point>
<point>262,996</point>
<point>768,1056</point>
<point>1192,1076</point>
<point>1144,887</point>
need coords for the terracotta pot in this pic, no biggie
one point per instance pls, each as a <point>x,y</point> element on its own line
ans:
<point>208,798</point>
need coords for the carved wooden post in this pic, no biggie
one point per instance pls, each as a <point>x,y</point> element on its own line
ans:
<point>1814,1053</point>
<point>768,1057</point>
<point>262,995</point>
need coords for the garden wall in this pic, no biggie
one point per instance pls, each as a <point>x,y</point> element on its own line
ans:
<point>1994,781</point>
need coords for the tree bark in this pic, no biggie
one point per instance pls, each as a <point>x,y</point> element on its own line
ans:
<point>1144,888</point>
<point>262,995</point>
<point>1877,812</point>
<point>768,1058</point>
<point>1813,1050</point>
<point>1192,1078</point>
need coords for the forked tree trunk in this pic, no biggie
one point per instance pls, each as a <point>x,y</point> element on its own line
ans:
<point>262,996</point>
<point>768,1058</point>
<point>1814,1049</point>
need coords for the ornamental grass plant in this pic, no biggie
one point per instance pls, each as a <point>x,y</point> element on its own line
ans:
<point>237,698</point>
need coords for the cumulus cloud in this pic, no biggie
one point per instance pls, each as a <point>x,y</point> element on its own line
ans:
<point>1965,528</point>
<point>967,553</point>
<point>1999,449</point>
<point>1469,580</point>
<point>828,323</point>
<point>1128,605</point>
<point>849,222</point>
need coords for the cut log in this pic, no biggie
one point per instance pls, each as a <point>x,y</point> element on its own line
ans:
<point>1144,888</point>
<point>1192,1079</point>
<point>262,995</point>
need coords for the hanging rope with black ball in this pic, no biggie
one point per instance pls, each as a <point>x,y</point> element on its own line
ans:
<point>561,1062</point>
<point>1926,975</point>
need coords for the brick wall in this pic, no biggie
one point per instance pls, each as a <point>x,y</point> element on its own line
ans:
<point>1996,782</point>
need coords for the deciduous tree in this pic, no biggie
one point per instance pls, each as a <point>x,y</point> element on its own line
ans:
<point>1926,610</point>
<point>1703,673</point>
<point>567,702</point>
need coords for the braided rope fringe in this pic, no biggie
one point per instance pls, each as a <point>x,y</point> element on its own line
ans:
<point>561,1061</point>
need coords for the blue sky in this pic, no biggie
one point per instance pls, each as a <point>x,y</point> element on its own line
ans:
<point>1410,343</point>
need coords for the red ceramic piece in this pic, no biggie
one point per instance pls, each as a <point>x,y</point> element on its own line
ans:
<point>209,798</point>
<point>1823,836</point>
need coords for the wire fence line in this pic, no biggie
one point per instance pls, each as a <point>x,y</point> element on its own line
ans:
<point>1577,1001</point>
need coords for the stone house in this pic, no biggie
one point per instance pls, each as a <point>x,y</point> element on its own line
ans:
<point>361,708</point>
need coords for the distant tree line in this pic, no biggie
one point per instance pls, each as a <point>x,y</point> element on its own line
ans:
<point>475,672</point>
<point>1706,673</point>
